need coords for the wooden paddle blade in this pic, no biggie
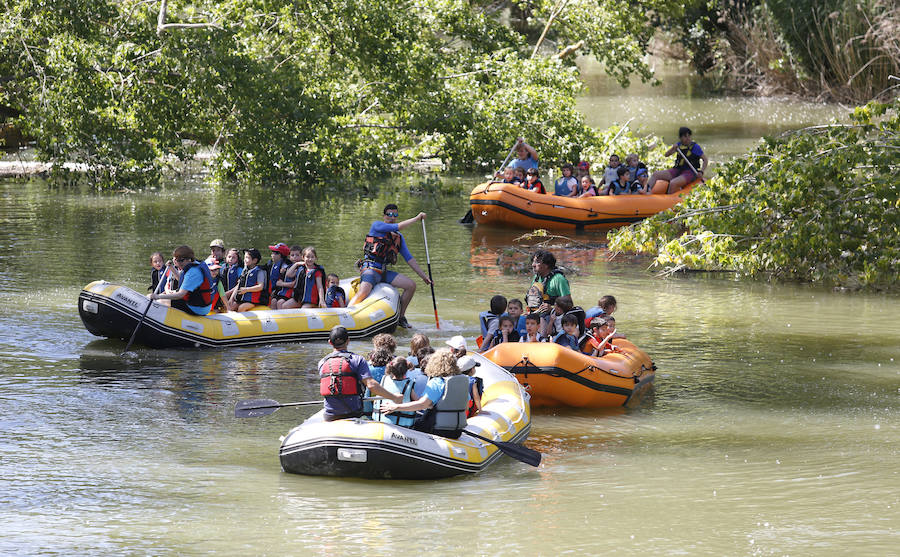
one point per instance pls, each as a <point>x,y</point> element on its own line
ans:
<point>468,218</point>
<point>255,408</point>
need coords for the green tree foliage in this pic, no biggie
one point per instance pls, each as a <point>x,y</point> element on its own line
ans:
<point>821,204</point>
<point>292,90</point>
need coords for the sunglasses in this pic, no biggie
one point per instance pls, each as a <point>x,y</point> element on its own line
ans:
<point>395,215</point>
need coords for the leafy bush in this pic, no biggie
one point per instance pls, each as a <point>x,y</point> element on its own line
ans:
<point>821,204</point>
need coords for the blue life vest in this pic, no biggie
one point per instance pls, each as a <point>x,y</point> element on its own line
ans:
<point>275,274</point>
<point>231,275</point>
<point>252,277</point>
<point>484,319</point>
<point>397,386</point>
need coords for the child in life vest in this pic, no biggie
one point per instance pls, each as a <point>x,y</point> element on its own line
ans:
<point>509,175</point>
<point>395,380</point>
<point>250,289</point>
<point>606,305</point>
<point>232,270</point>
<point>335,296</point>
<point>276,267</point>
<point>610,174</point>
<point>569,335</point>
<point>156,262</point>
<point>283,291</point>
<point>312,293</point>
<point>533,182</point>
<point>417,373</point>
<point>507,332</point>
<point>587,187</point>
<point>601,333</point>
<point>377,360</point>
<point>218,295</point>
<point>489,321</point>
<point>519,176</point>
<point>515,310</point>
<point>552,323</point>
<point>532,329</point>
<point>467,365</point>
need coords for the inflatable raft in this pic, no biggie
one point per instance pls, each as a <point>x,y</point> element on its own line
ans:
<point>558,376</point>
<point>112,310</point>
<point>502,204</point>
<point>367,449</point>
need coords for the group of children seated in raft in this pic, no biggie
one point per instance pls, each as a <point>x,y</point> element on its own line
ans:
<point>409,375</point>
<point>291,279</point>
<point>632,178</point>
<point>587,331</point>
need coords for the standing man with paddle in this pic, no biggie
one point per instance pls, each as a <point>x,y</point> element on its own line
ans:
<point>383,243</point>
<point>342,376</point>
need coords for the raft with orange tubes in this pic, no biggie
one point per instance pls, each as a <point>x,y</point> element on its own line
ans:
<point>555,375</point>
<point>500,204</point>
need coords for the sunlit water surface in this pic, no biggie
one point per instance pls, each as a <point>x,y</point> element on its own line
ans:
<point>774,427</point>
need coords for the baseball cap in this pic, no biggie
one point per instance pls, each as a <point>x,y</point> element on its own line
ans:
<point>281,248</point>
<point>217,243</point>
<point>466,363</point>
<point>457,342</point>
<point>584,165</point>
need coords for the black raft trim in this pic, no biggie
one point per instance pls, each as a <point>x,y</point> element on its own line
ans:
<point>554,371</point>
<point>550,218</point>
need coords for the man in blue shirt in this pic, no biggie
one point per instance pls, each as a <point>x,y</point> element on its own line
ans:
<point>194,294</point>
<point>526,156</point>
<point>383,243</point>
<point>339,406</point>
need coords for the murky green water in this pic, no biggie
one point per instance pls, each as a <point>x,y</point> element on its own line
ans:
<point>774,428</point>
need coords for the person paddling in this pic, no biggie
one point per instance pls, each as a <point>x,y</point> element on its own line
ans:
<point>195,293</point>
<point>383,243</point>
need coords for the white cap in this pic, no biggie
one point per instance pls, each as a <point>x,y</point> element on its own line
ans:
<point>466,363</point>
<point>457,342</point>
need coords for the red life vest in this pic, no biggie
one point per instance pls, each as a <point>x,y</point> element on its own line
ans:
<point>383,249</point>
<point>337,378</point>
<point>202,295</point>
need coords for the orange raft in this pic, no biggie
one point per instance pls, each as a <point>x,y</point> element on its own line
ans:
<point>559,376</point>
<point>502,204</point>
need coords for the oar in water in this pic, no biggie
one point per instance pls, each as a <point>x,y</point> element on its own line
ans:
<point>514,450</point>
<point>138,326</point>
<point>468,218</point>
<point>254,408</point>
<point>431,280</point>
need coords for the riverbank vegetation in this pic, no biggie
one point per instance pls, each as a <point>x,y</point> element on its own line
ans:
<point>820,204</point>
<point>843,50</point>
<point>297,91</point>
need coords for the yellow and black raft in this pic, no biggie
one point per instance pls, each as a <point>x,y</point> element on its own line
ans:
<point>368,449</point>
<point>500,204</point>
<point>555,375</point>
<point>113,311</point>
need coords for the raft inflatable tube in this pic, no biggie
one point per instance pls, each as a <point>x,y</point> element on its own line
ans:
<point>111,310</point>
<point>500,204</point>
<point>367,449</point>
<point>558,376</point>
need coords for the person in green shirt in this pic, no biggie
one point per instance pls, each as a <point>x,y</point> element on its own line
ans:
<point>547,284</point>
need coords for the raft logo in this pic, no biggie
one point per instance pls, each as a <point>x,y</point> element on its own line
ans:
<point>404,438</point>
<point>125,298</point>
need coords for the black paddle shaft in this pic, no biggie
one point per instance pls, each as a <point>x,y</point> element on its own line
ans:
<point>516,451</point>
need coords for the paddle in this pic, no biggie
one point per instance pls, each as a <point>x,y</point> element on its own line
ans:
<point>691,165</point>
<point>428,262</point>
<point>254,408</point>
<point>468,218</point>
<point>514,450</point>
<point>138,326</point>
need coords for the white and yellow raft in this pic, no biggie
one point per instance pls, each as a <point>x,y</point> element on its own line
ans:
<point>112,310</point>
<point>367,449</point>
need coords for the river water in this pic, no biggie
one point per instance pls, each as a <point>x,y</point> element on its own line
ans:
<point>774,427</point>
